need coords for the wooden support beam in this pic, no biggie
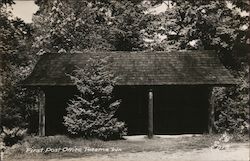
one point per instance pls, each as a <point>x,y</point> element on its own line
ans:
<point>211,112</point>
<point>150,114</point>
<point>2,83</point>
<point>41,104</point>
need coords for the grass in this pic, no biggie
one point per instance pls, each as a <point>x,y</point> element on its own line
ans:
<point>168,145</point>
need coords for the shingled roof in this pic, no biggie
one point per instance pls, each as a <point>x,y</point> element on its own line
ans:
<point>137,68</point>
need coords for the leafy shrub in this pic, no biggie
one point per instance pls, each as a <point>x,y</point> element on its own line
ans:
<point>232,106</point>
<point>91,113</point>
<point>20,110</point>
<point>13,135</point>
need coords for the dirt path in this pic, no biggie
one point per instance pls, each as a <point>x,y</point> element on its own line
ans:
<point>233,152</point>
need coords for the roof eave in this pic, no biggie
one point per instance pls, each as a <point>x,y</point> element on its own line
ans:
<point>130,84</point>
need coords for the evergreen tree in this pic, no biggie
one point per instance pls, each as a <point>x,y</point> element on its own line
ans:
<point>91,113</point>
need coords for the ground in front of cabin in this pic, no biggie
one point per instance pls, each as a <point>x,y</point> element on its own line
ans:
<point>133,148</point>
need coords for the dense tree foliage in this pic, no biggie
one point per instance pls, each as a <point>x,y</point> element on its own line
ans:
<point>232,112</point>
<point>16,62</point>
<point>65,26</point>
<point>209,25</point>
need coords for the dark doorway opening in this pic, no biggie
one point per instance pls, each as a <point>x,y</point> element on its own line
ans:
<point>177,109</point>
<point>133,109</point>
<point>57,99</point>
<point>180,110</point>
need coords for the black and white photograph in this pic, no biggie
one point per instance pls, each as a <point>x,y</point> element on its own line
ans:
<point>124,80</point>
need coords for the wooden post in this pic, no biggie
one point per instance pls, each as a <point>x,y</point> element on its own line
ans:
<point>2,83</point>
<point>211,112</point>
<point>41,104</point>
<point>150,114</point>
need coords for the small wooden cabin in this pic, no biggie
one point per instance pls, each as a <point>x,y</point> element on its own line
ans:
<point>161,92</point>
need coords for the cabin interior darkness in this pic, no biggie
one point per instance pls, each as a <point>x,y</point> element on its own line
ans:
<point>56,102</point>
<point>177,109</point>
